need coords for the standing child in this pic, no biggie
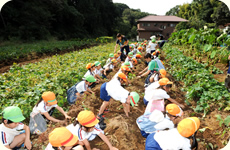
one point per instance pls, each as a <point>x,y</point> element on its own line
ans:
<point>176,138</point>
<point>12,129</point>
<point>45,106</point>
<point>86,127</point>
<point>113,89</point>
<point>62,139</point>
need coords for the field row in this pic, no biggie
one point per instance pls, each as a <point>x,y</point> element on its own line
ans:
<point>24,85</point>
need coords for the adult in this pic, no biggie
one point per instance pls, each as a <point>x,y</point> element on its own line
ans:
<point>124,44</point>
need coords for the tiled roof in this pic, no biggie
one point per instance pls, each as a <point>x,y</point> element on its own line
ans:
<point>151,18</point>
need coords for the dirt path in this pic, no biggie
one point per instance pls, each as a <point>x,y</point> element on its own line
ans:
<point>35,57</point>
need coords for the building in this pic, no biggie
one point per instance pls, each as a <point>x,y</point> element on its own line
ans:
<point>153,25</point>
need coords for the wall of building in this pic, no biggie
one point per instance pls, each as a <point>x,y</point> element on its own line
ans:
<point>167,29</point>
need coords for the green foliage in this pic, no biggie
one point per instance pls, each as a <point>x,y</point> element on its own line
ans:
<point>23,85</point>
<point>199,13</point>
<point>198,82</point>
<point>225,121</point>
<point>16,51</point>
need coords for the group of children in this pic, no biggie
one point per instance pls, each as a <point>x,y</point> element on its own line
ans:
<point>161,126</point>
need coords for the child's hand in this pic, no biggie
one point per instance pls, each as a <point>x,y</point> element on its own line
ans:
<point>27,144</point>
<point>113,148</point>
<point>67,117</point>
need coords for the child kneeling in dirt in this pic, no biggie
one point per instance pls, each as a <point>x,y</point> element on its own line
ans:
<point>156,121</point>
<point>62,139</point>
<point>113,89</point>
<point>176,138</point>
<point>86,127</point>
<point>45,107</point>
<point>91,71</point>
<point>14,133</point>
<point>99,71</point>
<point>124,69</point>
<point>110,67</point>
<point>75,92</point>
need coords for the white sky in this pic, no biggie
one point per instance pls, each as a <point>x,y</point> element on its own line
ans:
<point>159,7</point>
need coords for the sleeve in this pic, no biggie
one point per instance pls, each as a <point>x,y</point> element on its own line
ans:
<point>125,39</point>
<point>165,95</point>
<point>41,107</point>
<point>97,130</point>
<point>117,42</point>
<point>81,134</point>
<point>5,138</point>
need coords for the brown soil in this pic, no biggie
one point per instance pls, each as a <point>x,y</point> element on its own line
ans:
<point>123,132</point>
<point>35,57</point>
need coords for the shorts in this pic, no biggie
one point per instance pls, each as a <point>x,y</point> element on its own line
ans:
<point>151,143</point>
<point>103,93</point>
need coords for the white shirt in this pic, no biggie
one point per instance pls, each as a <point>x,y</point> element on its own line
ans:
<point>98,71</point>
<point>116,75</point>
<point>81,134</point>
<point>152,93</point>
<point>153,46</point>
<point>108,61</point>
<point>164,124</point>
<point>172,140</point>
<point>7,134</point>
<point>49,147</point>
<point>81,87</point>
<point>42,108</point>
<point>110,66</point>
<point>116,91</point>
<point>88,73</point>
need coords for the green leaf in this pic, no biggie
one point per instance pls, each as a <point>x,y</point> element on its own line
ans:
<point>227,121</point>
<point>213,54</point>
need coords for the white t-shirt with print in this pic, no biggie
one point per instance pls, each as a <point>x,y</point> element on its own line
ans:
<point>7,134</point>
<point>81,134</point>
<point>81,87</point>
<point>153,46</point>
<point>172,140</point>
<point>116,91</point>
<point>42,108</point>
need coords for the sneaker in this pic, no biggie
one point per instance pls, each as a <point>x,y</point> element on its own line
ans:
<point>99,117</point>
<point>106,110</point>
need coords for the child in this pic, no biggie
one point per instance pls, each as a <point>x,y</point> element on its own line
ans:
<point>129,59</point>
<point>155,77</point>
<point>152,46</point>
<point>155,95</point>
<point>91,71</point>
<point>46,105</point>
<point>151,68</point>
<point>62,139</point>
<point>155,121</point>
<point>113,89</point>
<point>119,56</point>
<point>176,138</point>
<point>99,71</point>
<point>86,127</point>
<point>111,57</point>
<point>138,57</point>
<point>12,129</point>
<point>124,69</point>
<point>134,61</point>
<point>110,67</point>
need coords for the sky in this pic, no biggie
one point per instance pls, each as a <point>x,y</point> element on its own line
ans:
<point>158,7</point>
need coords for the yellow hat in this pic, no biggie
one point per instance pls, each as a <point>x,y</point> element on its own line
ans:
<point>188,126</point>
<point>49,97</point>
<point>87,118</point>
<point>174,110</point>
<point>163,72</point>
<point>164,81</point>
<point>113,60</point>
<point>135,60</point>
<point>62,137</point>
<point>122,76</point>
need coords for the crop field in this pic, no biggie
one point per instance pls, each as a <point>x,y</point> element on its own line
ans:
<point>194,85</point>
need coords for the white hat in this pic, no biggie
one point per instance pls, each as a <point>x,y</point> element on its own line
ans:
<point>156,116</point>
